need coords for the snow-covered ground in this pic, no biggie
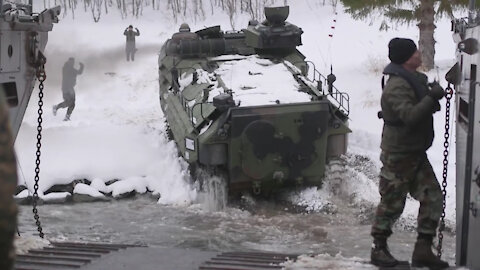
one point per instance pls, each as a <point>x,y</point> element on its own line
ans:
<point>117,127</point>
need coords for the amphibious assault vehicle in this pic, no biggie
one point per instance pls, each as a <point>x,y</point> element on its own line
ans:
<point>248,104</point>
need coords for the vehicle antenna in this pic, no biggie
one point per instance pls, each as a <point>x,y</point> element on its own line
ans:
<point>332,29</point>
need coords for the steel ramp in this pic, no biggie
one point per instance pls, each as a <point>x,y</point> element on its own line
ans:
<point>247,261</point>
<point>101,256</point>
<point>65,255</point>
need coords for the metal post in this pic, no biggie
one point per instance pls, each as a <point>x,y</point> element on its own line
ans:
<point>471,11</point>
<point>30,6</point>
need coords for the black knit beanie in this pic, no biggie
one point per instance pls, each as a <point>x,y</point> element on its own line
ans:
<point>400,50</point>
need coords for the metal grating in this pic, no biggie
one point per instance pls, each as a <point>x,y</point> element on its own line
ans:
<point>247,261</point>
<point>65,255</point>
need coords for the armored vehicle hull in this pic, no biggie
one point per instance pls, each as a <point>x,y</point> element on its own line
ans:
<point>242,103</point>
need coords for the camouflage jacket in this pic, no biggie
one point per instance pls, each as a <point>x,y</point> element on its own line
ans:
<point>407,111</point>
<point>8,182</point>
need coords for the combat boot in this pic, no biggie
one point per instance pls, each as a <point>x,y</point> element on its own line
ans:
<point>423,255</point>
<point>54,109</point>
<point>380,255</point>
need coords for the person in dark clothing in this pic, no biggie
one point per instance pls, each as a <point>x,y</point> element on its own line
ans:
<point>130,47</point>
<point>69,80</point>
<point>408,103</point>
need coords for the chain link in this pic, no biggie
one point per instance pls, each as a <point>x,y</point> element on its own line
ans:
<point>446,144</point>
<point>41,78</point>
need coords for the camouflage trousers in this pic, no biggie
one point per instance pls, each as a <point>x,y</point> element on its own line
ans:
<point>402,174</point>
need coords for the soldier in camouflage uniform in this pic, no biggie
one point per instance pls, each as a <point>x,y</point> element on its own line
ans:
<point>408,103</point>
<point>8,182</point>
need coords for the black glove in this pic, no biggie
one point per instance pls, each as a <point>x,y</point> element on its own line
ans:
<point>436,91</point>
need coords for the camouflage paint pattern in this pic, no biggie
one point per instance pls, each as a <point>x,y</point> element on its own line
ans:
<point>8,182</point>
<point>281,144</point>
<point>402,174</point>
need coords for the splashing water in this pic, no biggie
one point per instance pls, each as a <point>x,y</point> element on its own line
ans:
<point>215,193</point>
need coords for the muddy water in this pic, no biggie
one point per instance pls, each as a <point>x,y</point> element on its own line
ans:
<point>266,227</point>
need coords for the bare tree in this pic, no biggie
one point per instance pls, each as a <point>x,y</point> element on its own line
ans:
<point>72,4</point>
<point>179,8</point>
<point>231,11</point>
<point>96,7</point>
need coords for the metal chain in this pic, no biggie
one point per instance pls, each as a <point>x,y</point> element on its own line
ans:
<point>41,78</point>
<point>446,143</point>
